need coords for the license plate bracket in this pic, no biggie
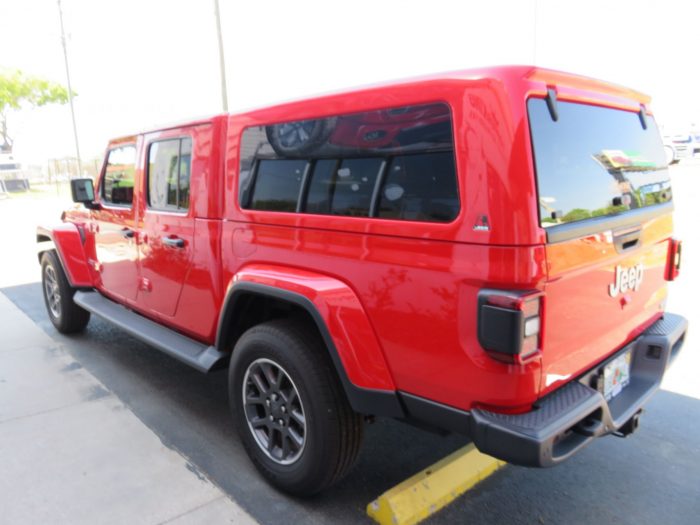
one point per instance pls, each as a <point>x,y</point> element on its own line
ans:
<point>616,375</point>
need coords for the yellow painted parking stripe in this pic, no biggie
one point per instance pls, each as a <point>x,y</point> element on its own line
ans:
<point>425,493</point>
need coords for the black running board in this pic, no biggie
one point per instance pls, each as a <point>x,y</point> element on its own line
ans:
<point>199,356</point>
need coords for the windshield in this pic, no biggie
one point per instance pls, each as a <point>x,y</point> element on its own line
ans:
<point>595,161</point>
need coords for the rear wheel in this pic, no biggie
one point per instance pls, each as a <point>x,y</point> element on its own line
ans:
<point>290,410</point>
<point>670,155</point>
<point>65,315</point>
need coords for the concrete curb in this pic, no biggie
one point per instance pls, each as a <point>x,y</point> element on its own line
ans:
<point>72,452</point>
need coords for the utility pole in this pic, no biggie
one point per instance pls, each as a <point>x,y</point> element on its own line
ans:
<point>534,35</point>
<point>222,65</point>
<point>70,90</point>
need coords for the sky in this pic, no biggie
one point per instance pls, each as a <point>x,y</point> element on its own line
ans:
<point>138,64</point>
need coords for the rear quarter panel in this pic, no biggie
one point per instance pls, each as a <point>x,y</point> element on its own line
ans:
<point>419,298</point>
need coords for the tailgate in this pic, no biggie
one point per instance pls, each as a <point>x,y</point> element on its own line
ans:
<point>605,203</point>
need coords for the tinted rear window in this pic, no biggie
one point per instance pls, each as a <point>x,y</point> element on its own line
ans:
<point>595,161</point>
<point>278,184</point>
<point>420,188</point>
<point>353,185</point>
<point>394,163</point>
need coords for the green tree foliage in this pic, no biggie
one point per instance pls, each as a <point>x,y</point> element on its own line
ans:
<point>576,214</point>
<point>18,90</point>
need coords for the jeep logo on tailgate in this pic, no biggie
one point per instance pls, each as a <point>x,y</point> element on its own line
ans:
<point>626,279</point>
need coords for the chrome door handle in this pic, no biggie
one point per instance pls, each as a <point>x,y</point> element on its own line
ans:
<point>173,242</point>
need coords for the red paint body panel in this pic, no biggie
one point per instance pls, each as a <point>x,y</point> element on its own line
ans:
<point>345,318</point>
<point>164,268</point>
<point>587,325</point>
<point>71,250</point>
<point>117,256</point>
<point>202,295</point>
<point>418,297</point>
<point>399,298</point>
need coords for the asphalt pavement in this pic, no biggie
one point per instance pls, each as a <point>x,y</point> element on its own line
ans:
<point>650,477</point>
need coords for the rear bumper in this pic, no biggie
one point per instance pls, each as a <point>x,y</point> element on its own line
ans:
<point>568,419</point>
<point>571,417</point>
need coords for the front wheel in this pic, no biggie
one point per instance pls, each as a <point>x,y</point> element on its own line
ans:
<point>290,410</point>
<point>65,315</point>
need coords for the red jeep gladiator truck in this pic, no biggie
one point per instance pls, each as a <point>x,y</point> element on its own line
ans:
<point>484,252</point>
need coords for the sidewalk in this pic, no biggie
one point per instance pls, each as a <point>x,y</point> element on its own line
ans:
<point>71,452</point>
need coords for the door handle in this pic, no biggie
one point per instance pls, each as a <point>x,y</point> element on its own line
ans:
<point>627,239</point>
<point>127,233</point>
<point>173,242</point>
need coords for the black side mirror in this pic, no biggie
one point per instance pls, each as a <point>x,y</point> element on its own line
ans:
<point>83,191</point>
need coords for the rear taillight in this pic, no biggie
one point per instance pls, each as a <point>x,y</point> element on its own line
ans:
<point>673,264</point>
<point>510,324</point>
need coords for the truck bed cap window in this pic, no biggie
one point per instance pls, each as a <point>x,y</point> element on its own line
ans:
<point>395,163</point>
<point>595,162</point>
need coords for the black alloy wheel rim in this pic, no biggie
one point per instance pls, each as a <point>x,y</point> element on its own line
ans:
<point>274,411</point>
<point>296,134</point>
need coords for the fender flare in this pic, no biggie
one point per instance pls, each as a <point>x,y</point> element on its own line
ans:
<point>68,241</point>
<point>341,321</point>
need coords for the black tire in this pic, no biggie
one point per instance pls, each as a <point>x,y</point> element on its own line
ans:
<point>332,433</point>
<point>670,155</point>
<point>66,316</point>
<point>294,139</point>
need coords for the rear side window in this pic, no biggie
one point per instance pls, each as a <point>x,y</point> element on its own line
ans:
<point>169,164</point>
<point>351,186</point>
<point>118,182</point>
<point>396,163</point>
<point>277,184</point>
<point>420,188</point>
<point>595,161</point>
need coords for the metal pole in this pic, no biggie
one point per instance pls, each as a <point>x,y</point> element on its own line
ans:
<point>222,65</point>
<point>534,36</point>
<point>70,90</point>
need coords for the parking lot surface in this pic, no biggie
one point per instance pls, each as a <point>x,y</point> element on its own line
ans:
<point>650,477</point>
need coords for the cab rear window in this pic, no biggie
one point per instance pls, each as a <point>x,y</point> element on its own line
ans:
<point>595,161</point>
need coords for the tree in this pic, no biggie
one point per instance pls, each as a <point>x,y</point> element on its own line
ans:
<point>18,90</point>
<point>576,214</point>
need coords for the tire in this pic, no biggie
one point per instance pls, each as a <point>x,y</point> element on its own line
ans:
<point>670,155</point>
<point>331,431</point>
<point>295,139</point>
<point>66,316</point>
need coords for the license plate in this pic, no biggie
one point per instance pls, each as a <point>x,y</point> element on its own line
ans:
<point>616,375</point>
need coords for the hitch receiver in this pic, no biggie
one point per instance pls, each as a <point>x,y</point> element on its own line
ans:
<point>629,427</point>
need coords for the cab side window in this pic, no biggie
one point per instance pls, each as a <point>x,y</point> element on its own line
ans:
<point>118,182</point>
<point>169,166</point>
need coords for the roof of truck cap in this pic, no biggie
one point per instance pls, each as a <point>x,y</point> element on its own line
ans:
<point>560,78</point>
<point>537,76</point>
<point>541,78</point>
